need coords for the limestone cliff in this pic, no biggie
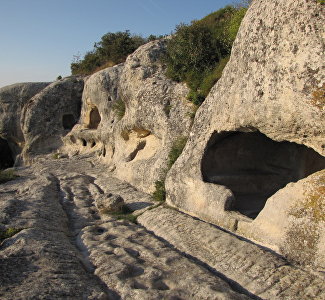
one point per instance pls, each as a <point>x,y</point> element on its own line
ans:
<point>50,115</point>
<point>131,115</point>
<point>253,165</point>
<point>261,126</point>
<point>12,99</point>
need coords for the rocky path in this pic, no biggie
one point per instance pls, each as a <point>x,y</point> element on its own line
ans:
<point>68,250</point>
<point>260,271</point>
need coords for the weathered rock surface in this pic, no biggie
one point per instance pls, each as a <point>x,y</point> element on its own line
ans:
<point>251,136</point>
<point>156,113</point>
<point>302,215</point>
<point>256,269</point>
<point>256,150</point>
<point>12,100</point>
<point>110,203</point>
<point>68,249</point>
<point>50,115</point>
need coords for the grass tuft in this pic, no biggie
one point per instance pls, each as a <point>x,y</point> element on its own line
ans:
<point>9,232</point>
<point>119,108</point>
<point>124,214</point>
<point>7,175</point>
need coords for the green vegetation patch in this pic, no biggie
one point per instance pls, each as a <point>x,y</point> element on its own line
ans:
<point>159,194</point>
<point>7,175</point>
<point>9,232</point>
<point>124,214</point>
<point>197,53</point>
<point>119,108</point>
<point>176,150</point>
<point>112,49</point>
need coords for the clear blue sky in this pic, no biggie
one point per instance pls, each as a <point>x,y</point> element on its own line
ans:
<point>38,38</point>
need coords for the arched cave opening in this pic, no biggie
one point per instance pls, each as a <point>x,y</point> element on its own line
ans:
<point>94,118</point>
<point>254,167</point>
<point>6,156</point>
<point>68,121</point>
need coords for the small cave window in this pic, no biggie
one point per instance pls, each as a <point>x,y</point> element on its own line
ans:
<point>94,118</point>
<point>83,142</point>
<point>68,121</point>
<point>6,155</point>
<point>254,167</point>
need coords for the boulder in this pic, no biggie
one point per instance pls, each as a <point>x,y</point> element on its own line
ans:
<point>49,115</point>
<point>12,100</point>
<point>110,203</point>
<point>263,124</point>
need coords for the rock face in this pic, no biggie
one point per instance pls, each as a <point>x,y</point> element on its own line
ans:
<point>131,115</point>
<point>261,126</point>
<point>298,228</point>
<point>12,100</point>
<point>49,115</point>
<point>253,164</point>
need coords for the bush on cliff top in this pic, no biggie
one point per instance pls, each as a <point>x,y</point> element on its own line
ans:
<point>197,53</point>
<point>112,49</point>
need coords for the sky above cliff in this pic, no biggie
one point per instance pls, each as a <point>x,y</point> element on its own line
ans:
<point>38,38</point>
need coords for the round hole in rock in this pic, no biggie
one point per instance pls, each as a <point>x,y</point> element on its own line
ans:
<point>6,156</point>
<point>254,167</point>
<point>94,118</point>
<point>84,143</point>
<point>68,121</point>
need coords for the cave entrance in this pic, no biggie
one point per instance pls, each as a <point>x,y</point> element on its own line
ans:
<point>254,167</point>
<point>94,118</point>
<point>68,121</point>
<point>6,156</point>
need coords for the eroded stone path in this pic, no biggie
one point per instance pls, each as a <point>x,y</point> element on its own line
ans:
<point>68,250</point>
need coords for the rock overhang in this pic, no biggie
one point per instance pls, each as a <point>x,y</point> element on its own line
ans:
<point>264,88</point>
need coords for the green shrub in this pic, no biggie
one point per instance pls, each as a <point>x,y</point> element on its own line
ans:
<point>9,232</point>
<point>160,193</point>
<point>7,175</point>
<point>119,108</point>
<point>56,155</point>
<point>124,214</point>
<point>197,53</point>
<point>190,51</point>
<point>176,150</point>
<point>112,49</point>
